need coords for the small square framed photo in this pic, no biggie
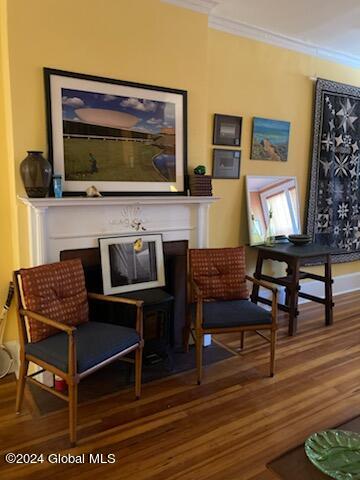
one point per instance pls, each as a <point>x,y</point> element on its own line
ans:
<point>226,163</point>
<point>131,262</point>
<point>227,130</point>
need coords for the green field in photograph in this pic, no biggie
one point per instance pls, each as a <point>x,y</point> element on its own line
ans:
<point>126,161</point>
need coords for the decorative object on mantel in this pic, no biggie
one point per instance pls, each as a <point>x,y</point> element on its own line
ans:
<point>131,263</point>
<point>333,215</point>
<point>122,137</point>
<point>226,163</point>
<point>227,130</point>
<point>270,139</point>
<point>93,192</point>
<point>57,186</point>
<point>36,174</point>
<point>200,170</point>
<point>200,184</point>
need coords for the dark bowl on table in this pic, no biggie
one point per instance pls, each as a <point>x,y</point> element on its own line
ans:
<point>300,239</point>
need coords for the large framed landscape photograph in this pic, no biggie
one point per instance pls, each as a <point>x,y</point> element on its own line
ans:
<point>122,137</point>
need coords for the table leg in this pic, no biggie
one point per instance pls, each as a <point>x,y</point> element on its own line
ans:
<point>328,292</point>
<point>293,299</point>
<point>287,290</point>
<point>255,289</point>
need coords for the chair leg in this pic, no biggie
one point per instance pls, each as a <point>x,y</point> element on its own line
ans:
<point>199,352</point>
<point>272,353</point>
<point>138,371</point>
<point>242,340</point>
<point>73,394</point>
<point>186,332</point>
<point>24,364</point>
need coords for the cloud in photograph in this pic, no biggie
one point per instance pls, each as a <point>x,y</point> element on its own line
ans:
<point>109,98</point>
<point>73,101</point>
<point>154,121</point>
<point>137,104</point>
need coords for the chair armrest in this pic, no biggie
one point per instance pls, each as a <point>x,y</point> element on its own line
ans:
<point>53,323</point>
<point>261,283</point>
<point>109,298</point>
<point>274,301</point>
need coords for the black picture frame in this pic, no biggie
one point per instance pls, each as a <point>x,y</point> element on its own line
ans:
<point>226,164</point>
<point>169,143</point>
<point>227,130</point>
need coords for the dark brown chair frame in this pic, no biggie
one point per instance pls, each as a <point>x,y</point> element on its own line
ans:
<point>71,377</point>
<point>200,331</point>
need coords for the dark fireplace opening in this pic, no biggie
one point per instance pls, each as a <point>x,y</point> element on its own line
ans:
<point>158,335</point>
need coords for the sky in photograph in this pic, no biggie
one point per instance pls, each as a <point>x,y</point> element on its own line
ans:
<point>153,116</point>
<point>276,131</point>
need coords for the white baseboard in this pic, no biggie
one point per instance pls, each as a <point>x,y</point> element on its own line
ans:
<point>342,284</point>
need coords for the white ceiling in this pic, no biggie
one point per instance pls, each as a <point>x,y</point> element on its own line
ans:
<point>325,28</point>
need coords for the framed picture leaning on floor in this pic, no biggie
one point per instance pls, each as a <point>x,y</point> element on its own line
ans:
<point>131,262</point>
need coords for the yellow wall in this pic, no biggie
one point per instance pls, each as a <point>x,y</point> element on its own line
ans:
<point>8,237</point>
<point>156,43</point>
<point>251,78</point>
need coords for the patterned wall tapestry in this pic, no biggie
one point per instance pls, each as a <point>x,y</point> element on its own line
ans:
<point>333,216</point>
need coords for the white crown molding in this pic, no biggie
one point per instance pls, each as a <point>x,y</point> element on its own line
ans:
<point>202,6</point>
<point>261,34</point>
<point>279,40</point>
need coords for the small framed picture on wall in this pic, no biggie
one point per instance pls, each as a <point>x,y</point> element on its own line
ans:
<point>226,163</point>
<point>227,130</point>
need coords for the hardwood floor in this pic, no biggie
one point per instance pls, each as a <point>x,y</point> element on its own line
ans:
<point>226,429</point>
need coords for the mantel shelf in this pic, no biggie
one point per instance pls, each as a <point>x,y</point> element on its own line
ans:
<point>57,224</point>
<point>120,200</point>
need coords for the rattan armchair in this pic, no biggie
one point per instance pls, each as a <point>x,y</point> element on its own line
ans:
<point>56,335</point>
<point>219,300</point>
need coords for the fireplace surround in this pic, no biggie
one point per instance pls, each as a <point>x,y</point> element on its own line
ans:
<point>66,224</point>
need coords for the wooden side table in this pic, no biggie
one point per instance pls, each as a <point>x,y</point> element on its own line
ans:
<point>295,257</point>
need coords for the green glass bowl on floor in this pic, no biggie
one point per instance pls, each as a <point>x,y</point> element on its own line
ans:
<point>336,453</point>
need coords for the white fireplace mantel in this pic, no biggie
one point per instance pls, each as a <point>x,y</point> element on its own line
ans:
<point>57,224</point>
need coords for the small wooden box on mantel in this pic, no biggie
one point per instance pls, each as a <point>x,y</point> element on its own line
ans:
<point>200,185</point>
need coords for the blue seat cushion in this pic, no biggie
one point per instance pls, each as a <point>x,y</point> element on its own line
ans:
<point>95,342</point>
<point>234,313</point>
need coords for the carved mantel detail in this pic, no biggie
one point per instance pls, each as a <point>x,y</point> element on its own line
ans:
<point>78,222</point>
